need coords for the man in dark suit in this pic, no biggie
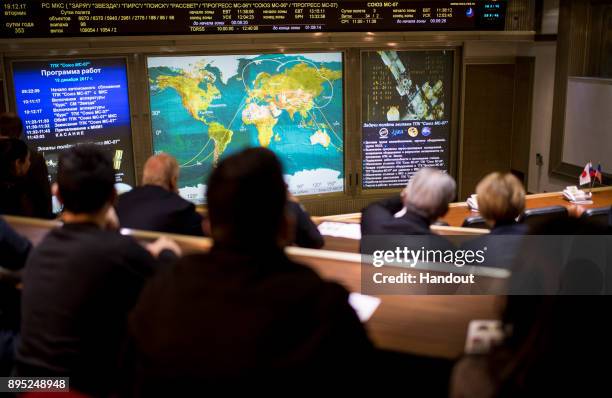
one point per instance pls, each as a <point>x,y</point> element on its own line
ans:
<point>422,202</point>
<point>245,316</point>
<point>81,281</point>
<point>156,205</point>
<point>36,183</point>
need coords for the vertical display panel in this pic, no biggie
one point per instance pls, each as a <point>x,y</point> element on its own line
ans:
<point>406,109</point>
<point>69,102</point>
<point>206,107</point>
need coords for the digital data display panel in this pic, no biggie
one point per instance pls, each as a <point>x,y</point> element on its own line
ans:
<point>68,102</point>
<point>34,18</point>
<point>205,107</point>
<point>406,106</point>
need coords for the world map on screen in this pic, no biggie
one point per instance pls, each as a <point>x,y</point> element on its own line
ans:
<point>206,107</point>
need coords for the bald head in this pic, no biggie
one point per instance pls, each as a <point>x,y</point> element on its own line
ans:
<point>161,170</point>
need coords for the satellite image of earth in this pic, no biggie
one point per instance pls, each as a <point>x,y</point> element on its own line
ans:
<point>205,107</point>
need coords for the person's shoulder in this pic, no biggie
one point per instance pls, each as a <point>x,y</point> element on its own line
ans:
<point>129,195</point>
<point>186,269</point>
<point>180,202</point>
<point>105,242</point>
<point>307,278</point>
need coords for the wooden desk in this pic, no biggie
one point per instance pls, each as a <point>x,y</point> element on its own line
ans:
<point>427,325</point>
<point>602,197</point>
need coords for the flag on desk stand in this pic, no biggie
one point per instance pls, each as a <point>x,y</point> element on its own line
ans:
<point>592,172</point>
<point>598,175</point>
<point>585,177</point>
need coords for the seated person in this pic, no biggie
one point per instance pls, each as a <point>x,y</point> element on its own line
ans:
<point>14,251</point>
<point>14,248</point>
<point>422,202</point>
<point>37,186</point>
<point>244,315</point>
<point>306,232</point>
<point>501,199</point>
<point>548,351</point>
<point>156,205</point>
<point>14,165</point>
<point>81,281</point>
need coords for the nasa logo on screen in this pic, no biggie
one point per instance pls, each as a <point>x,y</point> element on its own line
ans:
<point>413,132</point>
<point>383,133</point>
<point>426,131</point>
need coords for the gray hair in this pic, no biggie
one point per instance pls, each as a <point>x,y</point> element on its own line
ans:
<point>430,191</point>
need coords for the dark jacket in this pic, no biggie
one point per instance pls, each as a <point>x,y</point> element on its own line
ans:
<point>14,250</point>
<point>38,188</point>
<point>28,196</point>
<point>379,219</point>
<point>79,283</point>
<point>503,244</point>
<point>237,320</point>
<point>306,232</point>
<point>411,230</point>
<point>152,208</point>
<point>513,228</point>
<point>14,198</point>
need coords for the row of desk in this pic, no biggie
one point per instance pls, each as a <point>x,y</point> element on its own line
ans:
<point>458,212</point>
<point>432,325</point>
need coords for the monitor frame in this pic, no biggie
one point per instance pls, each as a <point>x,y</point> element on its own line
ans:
<point>12,100</point>
<point>454,122</point>
<point>291,50</point>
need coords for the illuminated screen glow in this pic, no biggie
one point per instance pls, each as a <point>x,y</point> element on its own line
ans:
<point>206,107</point>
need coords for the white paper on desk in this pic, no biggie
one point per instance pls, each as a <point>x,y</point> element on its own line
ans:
<point>340,229</point>
<point>364,306</point>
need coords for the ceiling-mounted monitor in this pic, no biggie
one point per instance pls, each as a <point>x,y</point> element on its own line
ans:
<point>37,18</point>
<point>68,102</point>
<point>206,107</point>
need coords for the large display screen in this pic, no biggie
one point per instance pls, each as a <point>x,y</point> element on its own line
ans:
<point>205,107</point>
<point>68,102</point>
<point>36,18</point>
<point>406,106</point>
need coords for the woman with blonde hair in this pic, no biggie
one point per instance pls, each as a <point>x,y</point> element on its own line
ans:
<point>501,200</point>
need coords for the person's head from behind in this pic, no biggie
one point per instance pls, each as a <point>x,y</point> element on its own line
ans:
<point>429,192</point>
<point>85,180</point>
<point>247,200</point>
<point>501,198</point>
<point>10,125</point>
<point>161,170</point>
<point>14,159</point>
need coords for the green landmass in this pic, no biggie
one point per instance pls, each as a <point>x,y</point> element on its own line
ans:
<point>221,136</point>
<point>194,98</point>
<point>294,89</point>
